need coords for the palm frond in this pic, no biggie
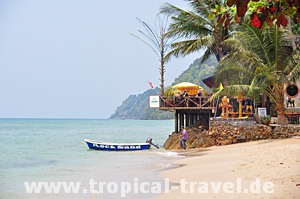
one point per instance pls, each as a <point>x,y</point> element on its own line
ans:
<point>183,48</point>
<point>206,54</point>
<point>196,28</point>
<point>235,90</point>
<point>294,75</point>
<point>225,73</point>
<point>148,44</point>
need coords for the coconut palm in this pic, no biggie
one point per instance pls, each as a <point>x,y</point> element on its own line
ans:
<point>196,29</point>
<point>265,60</point>
<point>155,38</point>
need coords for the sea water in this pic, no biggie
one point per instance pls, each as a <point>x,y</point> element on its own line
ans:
<point>53,150</point>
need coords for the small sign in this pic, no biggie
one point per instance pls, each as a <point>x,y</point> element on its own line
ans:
<point>262,112</point>
<point>154,101</point>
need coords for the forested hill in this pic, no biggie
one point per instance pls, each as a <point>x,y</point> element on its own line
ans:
<point>197,72</point>
<point>136,106</point>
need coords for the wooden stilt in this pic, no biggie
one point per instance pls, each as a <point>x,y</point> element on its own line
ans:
<point>181,120</point>
<point>176,122</point>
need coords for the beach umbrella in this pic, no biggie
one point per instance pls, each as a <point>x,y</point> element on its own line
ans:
<point>190,87</point>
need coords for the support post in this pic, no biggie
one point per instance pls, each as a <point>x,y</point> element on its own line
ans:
<point>176,121</point>
<point>181,123</point>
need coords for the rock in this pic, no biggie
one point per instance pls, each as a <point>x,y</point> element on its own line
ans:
<point>224,133</point>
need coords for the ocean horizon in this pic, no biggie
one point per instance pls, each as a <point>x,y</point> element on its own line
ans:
<point>53,150</point>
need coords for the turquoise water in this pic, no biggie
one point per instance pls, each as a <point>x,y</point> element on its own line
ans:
<point>54,150</point>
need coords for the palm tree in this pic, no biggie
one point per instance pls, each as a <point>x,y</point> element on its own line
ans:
<point>156,39</point>
<point>196,29</point>
<point>265,59</point>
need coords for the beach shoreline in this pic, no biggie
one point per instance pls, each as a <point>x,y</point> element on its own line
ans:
<point>257,169</point>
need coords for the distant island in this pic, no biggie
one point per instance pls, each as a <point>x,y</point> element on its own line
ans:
<point>136,106</point>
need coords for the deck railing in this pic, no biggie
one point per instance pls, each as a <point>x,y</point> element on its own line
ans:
<point>190,101</point>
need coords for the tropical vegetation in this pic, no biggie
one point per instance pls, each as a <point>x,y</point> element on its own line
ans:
<point>263,60</point>
<point>262,52</point>
<point>259,12</point>
<point>155,37</point>
<point>137,107</point>
<point>195,29</point>
<point>198,71</point>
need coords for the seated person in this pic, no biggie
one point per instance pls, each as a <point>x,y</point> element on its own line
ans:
<point>177,94</point>
<point>290,101</point>
<point>243,106</point>
<point>249,105</point>
<point>178,99</point>
<point>198,96</point>
<point>185,93</point>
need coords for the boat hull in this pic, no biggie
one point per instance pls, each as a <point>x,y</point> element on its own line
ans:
<point>106,146</point>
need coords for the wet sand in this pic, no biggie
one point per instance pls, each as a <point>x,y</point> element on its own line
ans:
<point>260,169</point>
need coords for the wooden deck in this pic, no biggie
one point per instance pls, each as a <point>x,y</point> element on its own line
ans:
<point>184,108</point>
<point>188,111</point>
<point>185,103</point>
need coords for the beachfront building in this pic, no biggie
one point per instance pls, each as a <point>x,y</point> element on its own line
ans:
<point>194,110</point>
<point>291,96</point>
<point>292,102</point>
<point>188,111</point>
<point>189,104</point>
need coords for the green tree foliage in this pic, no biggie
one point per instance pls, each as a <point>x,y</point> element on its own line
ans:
<point>296,28</point>
<point>263,60</point>
<point>197,72</point>
<point>259,12</point>
<point>137,107</point>
<point>195,29</point>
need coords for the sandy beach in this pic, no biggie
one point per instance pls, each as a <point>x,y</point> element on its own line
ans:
<point>258,169</point>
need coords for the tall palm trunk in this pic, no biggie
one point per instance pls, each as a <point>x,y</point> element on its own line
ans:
<point>220,34</point>
<point>279,100</point>
<point>162,77</point>
<point>162,69</point>
<point>280,111</point>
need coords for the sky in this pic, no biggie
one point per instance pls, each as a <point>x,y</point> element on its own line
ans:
<point>76,58</point>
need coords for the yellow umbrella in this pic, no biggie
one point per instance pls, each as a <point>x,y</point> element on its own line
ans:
<point>190,87</point>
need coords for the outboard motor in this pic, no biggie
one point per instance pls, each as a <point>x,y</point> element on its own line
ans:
<point>149,141</point>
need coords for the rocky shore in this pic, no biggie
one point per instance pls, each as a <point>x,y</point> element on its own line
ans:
<point>229,132</point>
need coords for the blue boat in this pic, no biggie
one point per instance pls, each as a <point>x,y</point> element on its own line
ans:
<point>108,146</point>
